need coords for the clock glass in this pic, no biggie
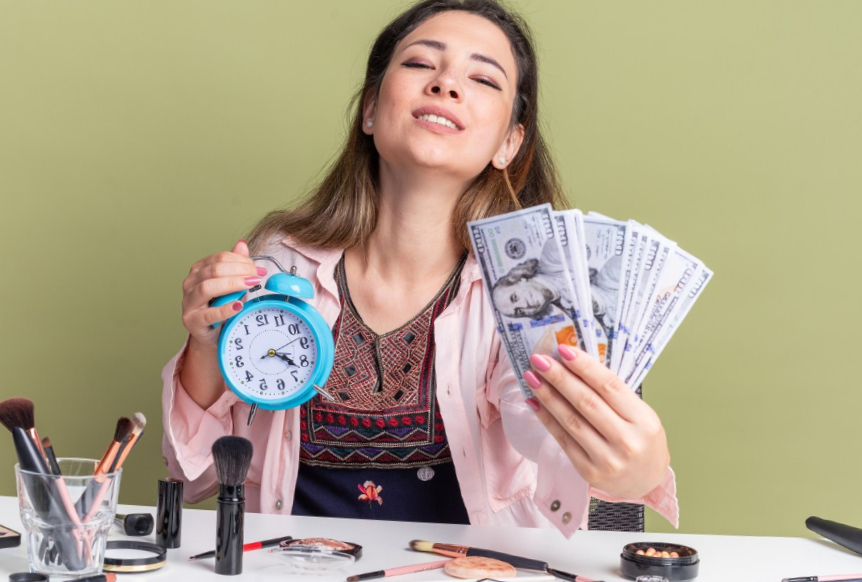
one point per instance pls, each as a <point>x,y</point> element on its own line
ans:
<point>269,353</point>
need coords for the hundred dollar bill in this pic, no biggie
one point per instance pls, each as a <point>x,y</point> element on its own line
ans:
<point>634,246</point>
<point>674,280</point>
<point>570,241</point>
<point>701,279</point>
<point>528,282</point>
<point>604,240</point>
<point>656,255</point>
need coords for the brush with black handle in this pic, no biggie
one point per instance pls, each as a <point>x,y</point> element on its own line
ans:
<point>21,412</point>
<point>47,500</point>
<point>232,457</point>
<point>845,535</point>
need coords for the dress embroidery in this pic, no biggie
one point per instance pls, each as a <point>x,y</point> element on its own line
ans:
<point>385,413</point>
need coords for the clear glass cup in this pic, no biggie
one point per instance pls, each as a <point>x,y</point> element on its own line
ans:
<point>67,518</point>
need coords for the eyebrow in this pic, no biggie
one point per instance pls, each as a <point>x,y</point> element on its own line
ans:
<point>441,46</point>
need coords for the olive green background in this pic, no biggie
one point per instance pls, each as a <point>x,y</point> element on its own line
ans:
<point>137,137</point>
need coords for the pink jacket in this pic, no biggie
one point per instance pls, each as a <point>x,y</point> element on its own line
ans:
<point>510,469</point>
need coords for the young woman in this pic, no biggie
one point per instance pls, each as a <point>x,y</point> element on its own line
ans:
<point>429,423</point>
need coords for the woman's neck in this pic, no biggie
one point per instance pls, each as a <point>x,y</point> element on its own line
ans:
<point>413,239</point>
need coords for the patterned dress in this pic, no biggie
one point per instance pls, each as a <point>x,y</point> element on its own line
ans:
<point>379,450</point>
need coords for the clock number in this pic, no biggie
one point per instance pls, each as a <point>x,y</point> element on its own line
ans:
<point>248,376</point>
<point>238,361</point>
<point>263,385</point>
<point>262,319</point>
<point>238,342</point>
<point>303,343</point>
<point>293,329</point>
<point>280,384</point>
<point>279,320</point>
<point>295,377</point>
<point>303,361</point>
<point>246,329</point>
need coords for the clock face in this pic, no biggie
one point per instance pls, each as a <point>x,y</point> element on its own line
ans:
<point>269,353</point>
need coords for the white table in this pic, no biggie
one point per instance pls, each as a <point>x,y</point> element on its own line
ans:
<point>589,553</point>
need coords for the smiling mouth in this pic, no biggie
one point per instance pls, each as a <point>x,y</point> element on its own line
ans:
<point>438,119</point>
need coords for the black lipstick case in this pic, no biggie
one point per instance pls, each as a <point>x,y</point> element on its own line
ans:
<point>169,513</point>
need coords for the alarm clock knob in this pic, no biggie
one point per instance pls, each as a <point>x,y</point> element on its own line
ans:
<point>290,285</point>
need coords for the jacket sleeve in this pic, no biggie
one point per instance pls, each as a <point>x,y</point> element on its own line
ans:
<point>189,432</point>
<point>562,495</point>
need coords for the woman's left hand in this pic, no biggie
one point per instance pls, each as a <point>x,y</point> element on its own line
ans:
<point>613,438</point>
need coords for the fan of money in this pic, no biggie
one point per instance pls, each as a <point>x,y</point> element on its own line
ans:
<point>616,289</point>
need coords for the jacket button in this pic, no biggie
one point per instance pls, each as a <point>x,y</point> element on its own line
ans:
<point>555,505</point>
<point>567,517</point>
<point>287,435</point>
<point>279,504</point>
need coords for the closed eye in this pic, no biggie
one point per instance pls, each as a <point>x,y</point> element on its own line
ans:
<point>488,82</point>
<point>415,65</point>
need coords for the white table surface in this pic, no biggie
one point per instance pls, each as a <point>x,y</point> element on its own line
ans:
<point>385,545</point>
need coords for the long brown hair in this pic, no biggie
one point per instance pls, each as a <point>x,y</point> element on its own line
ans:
<point>341,212</point>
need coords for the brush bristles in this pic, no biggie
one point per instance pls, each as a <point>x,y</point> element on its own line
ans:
<point>18,412</point>
<point>123,430</point>
<point>46,443</point>
<point>140,422</point>
<point>421,546</point>
<point>232,457</point>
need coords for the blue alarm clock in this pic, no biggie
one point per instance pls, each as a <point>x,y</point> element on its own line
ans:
<point>277,352</point>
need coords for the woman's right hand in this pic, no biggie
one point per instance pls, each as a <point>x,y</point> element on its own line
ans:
<point>211,277</point>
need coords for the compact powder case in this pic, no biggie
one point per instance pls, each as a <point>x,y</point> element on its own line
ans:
<point>685,567</point>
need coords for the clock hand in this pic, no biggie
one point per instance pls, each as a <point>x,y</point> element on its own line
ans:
<point>288,343</point>
<point>286,359</point>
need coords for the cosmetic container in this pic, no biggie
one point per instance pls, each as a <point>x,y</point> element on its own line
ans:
<point>634,565</point>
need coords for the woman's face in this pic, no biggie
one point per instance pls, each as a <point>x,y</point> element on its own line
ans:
<point>446,98</point>
<point>525,298</point>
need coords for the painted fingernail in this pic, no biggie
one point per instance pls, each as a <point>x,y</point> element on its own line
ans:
<point>541,363</point>
<point>532,380</point>
<point>532,403</point>
<point>252,281</point>
<point>237,305</point>
<point>261,271</point>
<point>567,352</point>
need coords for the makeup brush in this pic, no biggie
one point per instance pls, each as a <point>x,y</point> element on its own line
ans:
<point>18,415</point>
<point>454,551</point>
<point>232,457</point>
<point>842,534</point>
<point>139,422</point>
<point>50,456</point>
<point>49,497</point>
<point>121,433</point>
<point>93,494</point>
<point>249,547</point>
<point>21,412</point>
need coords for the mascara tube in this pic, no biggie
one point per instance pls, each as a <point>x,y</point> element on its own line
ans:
<point>230,515</point>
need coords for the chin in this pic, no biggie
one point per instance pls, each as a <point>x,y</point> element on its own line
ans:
<point>430,157</point>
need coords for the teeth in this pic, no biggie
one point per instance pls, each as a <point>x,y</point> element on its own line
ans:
<point>438,119</point>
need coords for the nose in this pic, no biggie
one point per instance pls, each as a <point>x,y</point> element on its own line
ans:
<point>445,85</point>
<point>436,89</point>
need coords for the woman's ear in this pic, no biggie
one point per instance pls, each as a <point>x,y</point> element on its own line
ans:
<point>510,147</point>
<point>369,109</point>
